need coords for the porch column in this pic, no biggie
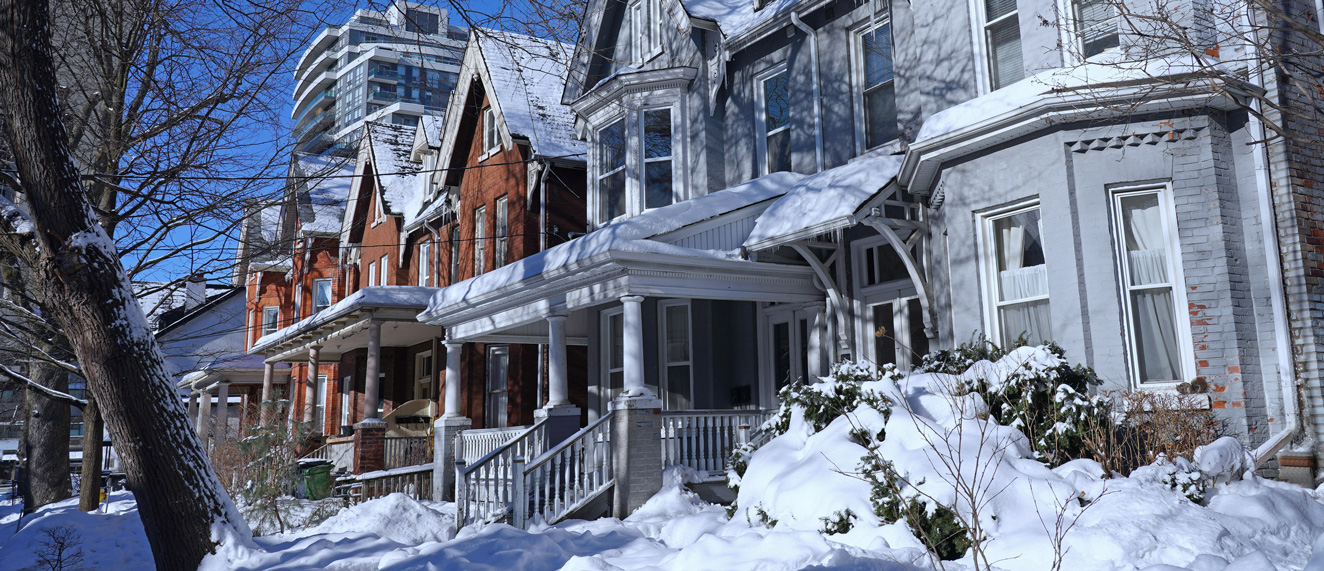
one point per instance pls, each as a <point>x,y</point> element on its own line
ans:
<point>446,428</point>
<point>557,382</point>
<point>310,389</point>
<point>453,379</point>
<point>193,404</point>
<point>634,346</point>
<point>373,383</point>
<point>818,342</point>
<point>222,411</point>
<point>204,418</point>
<point>268,378</point>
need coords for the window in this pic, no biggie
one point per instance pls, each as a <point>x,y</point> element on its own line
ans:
<point>346,385</point>
<point>790,334</point>
<point>876,103</point>
<point>385,267</point>
<point>455,253</point>
<point>500,231</point>
<point>321,294</point>
<point>645,29</point>
<point>298,302</point>
<point>1157,335</point>
<point>611,171</point>
<point>677,388</point>
<point>883,265</point>
<point>425,264</point>
<point>773,119</point>
<point>613,354</point>
<point>319,410</point>
<point>1095,23</point>
<point>498,364</point>
<point>480,235</point>
<point>372,274</point>
<point>1002,40</point>
<point>1018,277</point>
<point>270,319</point>
<point>423,375</point>
<point>897,328</point>
<point>491,137</point>
<point>657,157</point>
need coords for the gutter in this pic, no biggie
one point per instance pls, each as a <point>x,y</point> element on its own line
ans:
<point>818,100</point>
<point>1269,228</point>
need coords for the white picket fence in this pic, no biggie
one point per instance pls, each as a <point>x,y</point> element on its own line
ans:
<point>703,439</point>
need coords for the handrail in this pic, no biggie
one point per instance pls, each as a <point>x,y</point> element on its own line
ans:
<point>567,477</point>
<point>473,444</point>
<point>484,489</point>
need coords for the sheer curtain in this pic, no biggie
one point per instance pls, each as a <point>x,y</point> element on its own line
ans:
<point>1022,276</point>
<point>1153,315</point>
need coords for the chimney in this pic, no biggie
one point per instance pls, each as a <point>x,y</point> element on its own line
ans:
<point>195,292</point>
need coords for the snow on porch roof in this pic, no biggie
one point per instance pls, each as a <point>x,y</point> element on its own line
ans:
<point>822,202</point>
<point>629,235</point>
<point>377,297</point>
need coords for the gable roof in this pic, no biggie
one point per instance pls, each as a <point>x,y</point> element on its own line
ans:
<point>399,186</point>
<point>525,77</point>
<point>321,187</point>
<point>823,202</point>
<point>735,17</point>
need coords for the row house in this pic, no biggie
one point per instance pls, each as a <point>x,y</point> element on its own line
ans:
<point>776,186</point>
<point>498,180</point>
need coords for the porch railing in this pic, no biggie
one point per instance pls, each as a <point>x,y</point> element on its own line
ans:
<point>567,477</point>
<point>404,451</point>
<point>485,488</point>
<point>413,481</point>
<point>338,450</point>
<point>474,444</point>
<point>703,439</point>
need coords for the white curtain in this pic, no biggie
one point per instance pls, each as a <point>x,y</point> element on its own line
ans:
<point>1018,281</point>
<point>1153,314</point>
<point>1030,318</point>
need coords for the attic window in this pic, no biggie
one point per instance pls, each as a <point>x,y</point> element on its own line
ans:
<point>491,139</point>
<point>645,29</point>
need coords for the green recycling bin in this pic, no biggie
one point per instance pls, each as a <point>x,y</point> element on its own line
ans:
<point>317,481</point>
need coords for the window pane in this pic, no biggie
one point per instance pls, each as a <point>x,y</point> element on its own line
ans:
<point>678,387</point>
<point>1096,23</point>
<point>878,56</point>
<point>657,133</point>
<point>884,338</point>
<point>1154,325</point>
<point>1020,257</point>
<point>611,194</point>
<point>880,115</point>
<point>678,333</point>
<point>781,354</point>
<point>1004,46</point>
<point>611,147</point>
<point>995,9</point>
<point>498,363</point>
<point>1030,319</point>
<point>779,151</point>
<point>657,184</point>
<point>615,324</point>
<point>776,101</point>
<point>1146,248</point>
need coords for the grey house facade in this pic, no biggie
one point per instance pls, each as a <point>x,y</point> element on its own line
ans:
<point>796,182</point>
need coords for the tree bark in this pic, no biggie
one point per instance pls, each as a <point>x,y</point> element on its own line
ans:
<point>89,494</point>
<point>185,512</point>
<point>48,437</point>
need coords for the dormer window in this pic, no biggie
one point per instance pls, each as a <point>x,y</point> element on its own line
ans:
<point>645,29</point>
<point>491,139</point>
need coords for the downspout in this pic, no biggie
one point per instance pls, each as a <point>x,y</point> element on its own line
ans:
<point>1268,225</point>
<point>818,99</point>
<point>543,168</point>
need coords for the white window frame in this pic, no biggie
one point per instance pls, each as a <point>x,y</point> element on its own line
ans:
<point>480,236</point>
<point>385,266</point>
<point>979,35</point>
<point>1072,35</point>
<point>372,274</point>
<point>346,385</point>
<point>604,335</point>
<point>500,232</point>
<point>317,285</point>
<point>455,254</point>
<point>378,214</point>
<point>662,355</point>
<point>859,80</point>
<point>791,315</point>
<point>1177,281</point>
<point>425,264</point>
<point>491,136</point>
<point>319,404</point>
<point>637,201</point>
<point>270,310</point>
<point>298,302</point>
<point>596,155</point>
<point>761,116</point>
<point>422,379</point>
<point>989,266</point>
<point>645,19</point>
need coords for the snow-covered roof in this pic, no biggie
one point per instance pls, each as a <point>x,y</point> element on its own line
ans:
<point>323,190</point>
<point>399,178</point>
<point>431,126</point>
<point>736,17</point>
<point>157,298</point>
<point>630,235</point>
<point>379,297</point>
<point>528,75</point>
<point>823,202</point>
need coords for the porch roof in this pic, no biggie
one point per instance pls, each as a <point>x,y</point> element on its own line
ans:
<point>383,303</point>
<point>823,202</point>
<point>235,368</point>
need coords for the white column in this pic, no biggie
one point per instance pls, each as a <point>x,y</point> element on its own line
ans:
<point>558,390</point>
<point>222,410</point>
<point>373,383</point>
<point>310,388</point>
<point>817,342</point>
<point>634,345</point>
<point>193,405</point>
<point>268,379</point>
<point>204,417</point>
<point>453,379</point>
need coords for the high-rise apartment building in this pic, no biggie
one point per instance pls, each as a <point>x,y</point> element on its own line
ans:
<point>391,66</point>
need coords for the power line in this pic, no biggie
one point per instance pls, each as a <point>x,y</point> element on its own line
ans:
<point>94,176</point>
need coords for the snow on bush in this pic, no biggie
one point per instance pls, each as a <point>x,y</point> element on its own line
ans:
<point>986,461</point>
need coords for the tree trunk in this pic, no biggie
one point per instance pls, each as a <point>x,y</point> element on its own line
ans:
<point>185,512</point>
<point>89,495</point>
<point>47,426</point>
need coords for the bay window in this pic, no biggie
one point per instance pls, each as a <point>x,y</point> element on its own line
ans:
<point>1002,41</point>
<point>876,102</point>
<point>773,119</point>
<point>657,157</point>
<point>1149,273</point>
<point>1018,277</point>
<point>611,171</point>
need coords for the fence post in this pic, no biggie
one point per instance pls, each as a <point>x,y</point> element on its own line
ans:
<point>445,431</point>
<point>742,434</point>
<point>460,504</point>
<point>519,512</point>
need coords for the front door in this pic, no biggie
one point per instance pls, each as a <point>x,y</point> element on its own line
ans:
<point>498,365</point>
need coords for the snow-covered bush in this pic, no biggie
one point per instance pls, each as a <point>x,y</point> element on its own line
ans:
<point>841,392</point>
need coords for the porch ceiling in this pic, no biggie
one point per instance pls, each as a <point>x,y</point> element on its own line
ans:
<point>400,328</point>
